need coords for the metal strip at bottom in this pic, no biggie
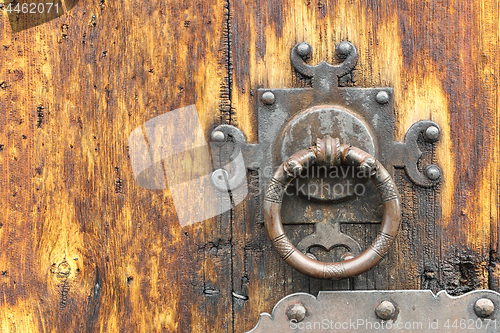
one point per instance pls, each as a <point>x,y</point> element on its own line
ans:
<point>384,311</point>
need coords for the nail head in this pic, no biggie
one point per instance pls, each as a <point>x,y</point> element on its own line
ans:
<point>484,307</point>
<point>382,97</point>
<point>385,310</point>
<point>343,49</point>
<point>432,133</point>
<point>304,50</point>
<point>296,312</point>
<point>218,136</point>
<point>433,172</point>
<point>268,98</point>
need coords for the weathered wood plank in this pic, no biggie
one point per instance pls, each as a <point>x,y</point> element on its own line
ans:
<point>83,248</point>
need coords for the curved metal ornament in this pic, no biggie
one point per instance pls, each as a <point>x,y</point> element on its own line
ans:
<point>324,76</point>
<point>407,155</point>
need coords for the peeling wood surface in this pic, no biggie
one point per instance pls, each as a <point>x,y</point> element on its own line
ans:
<point>83,248</point>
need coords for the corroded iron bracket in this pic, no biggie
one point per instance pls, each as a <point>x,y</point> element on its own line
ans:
<point>383,311</point>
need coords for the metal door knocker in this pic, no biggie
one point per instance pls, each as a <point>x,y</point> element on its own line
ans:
<point>331,153</point>
<point>292,119</point>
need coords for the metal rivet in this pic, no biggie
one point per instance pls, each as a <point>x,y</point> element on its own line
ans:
<point>433,172</point>
<point>347,256</point>
<point>385,310</point>
<point>268,98</point>
<point>382,97</point>
<point>484,307</point>
<point>304,49</point>
<point>343,49</point>
<point>432,133</point>
<point>296,312</point>
<point>218,136</point>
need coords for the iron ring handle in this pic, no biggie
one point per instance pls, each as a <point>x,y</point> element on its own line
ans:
<point>330,152</point>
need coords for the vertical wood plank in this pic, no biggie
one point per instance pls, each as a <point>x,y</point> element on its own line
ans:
<point>438,57</point>
<point>84,248</point>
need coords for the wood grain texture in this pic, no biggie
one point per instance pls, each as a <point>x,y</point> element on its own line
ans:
<point>84,249</point>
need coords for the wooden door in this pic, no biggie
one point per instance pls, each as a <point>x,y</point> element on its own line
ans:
<point>83,248</point>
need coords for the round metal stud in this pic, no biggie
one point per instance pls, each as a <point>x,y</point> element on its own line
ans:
<point>385,310</point>
<point>433,172</point>
<point>343,49</point>
<point>268,98</point>
<point>432,133</point>
<point>304,50</point>
<point>484,307</point>
<point>296,312</point>
<point>218,136</point>
<point>382,97</point>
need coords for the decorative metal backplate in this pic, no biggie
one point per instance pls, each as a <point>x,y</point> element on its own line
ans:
<point>363,117</point>
<point>292,119</point>
<point>404,311</point>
